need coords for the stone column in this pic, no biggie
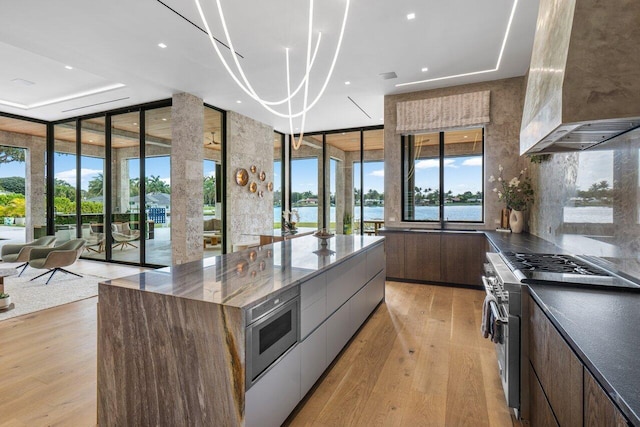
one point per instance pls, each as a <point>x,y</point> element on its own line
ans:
<point>187,124</point>
<point>35,187</point>
<point>249,143</point>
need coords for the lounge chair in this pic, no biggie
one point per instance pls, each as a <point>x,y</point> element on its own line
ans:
<point>20,252</point>
<point>56,258</point>
<point>123,235</point>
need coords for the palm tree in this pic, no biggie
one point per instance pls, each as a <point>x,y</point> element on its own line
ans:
<point>96,186</point>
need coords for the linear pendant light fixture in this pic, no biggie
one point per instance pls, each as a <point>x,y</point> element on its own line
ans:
<point>246,86</point>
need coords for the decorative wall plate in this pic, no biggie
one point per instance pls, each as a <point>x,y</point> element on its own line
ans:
<point>253,187</point>
<point>253,255</point>
<point>253,168</point>
<point>270,186</point>
<point>263,176</point>
<point>242,177</point>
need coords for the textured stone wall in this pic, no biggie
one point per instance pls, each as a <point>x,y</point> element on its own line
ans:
<point>35,177</point>
<point>585,227</point>
<point>502,138</point>
<point>187,121</point>
<point>248,143</point>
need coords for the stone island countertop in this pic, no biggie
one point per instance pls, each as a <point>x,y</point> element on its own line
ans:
<point>245,278</point>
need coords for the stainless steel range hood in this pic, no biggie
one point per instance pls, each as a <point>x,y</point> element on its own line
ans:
<point>583,86</point>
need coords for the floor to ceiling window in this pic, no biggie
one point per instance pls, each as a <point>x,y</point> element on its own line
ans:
<point>126,187</point>
<point>306,175</point>
<point>92,186</point>
<point>343,152</point>
<point>278,177</point>
<point>372,181</point>
<point>13,175</point>
<point>157,198</point>
<point>65,181</point>
<point>213,215</point>
<point>328,167</point>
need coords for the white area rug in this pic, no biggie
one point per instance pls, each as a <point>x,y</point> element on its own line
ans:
<point>35,296</point>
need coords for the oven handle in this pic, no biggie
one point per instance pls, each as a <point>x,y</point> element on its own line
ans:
<point>493,305</point>
<point>496,313</point>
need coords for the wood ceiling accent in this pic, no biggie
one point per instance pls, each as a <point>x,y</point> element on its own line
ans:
<point>350,141</point>
<point>450,137</point>
<point>125,129</point>
<point>22,126</point>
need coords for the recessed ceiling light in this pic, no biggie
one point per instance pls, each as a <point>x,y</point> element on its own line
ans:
<point>411,16</point>
<point>164,120</point>
<point>347,83</point>
<point>23,82</point>
<point>135,124</point>
<point>425,69</point>
<point>162,45</point>
<point>91,140</point>
<point>68,67</point>
<point>466,136</point>
<point>238,102</point>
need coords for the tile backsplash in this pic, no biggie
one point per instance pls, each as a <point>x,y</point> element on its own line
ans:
<point>589,202</point>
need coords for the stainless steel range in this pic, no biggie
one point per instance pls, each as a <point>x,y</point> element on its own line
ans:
<point>504,275</point>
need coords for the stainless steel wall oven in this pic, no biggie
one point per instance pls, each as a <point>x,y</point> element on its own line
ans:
<point>273,327</point>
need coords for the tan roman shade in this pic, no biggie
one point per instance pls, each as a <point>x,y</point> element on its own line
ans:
<point>446,112</point>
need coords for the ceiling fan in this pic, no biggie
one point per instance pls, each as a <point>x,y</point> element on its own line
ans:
<point>212,139</point>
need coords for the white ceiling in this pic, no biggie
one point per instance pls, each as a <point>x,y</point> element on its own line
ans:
<point>110,43</point>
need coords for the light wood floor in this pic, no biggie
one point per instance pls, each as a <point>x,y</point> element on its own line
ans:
<point>419,360</point>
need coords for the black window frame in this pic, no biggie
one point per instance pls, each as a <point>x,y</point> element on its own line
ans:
<point>441,143</point>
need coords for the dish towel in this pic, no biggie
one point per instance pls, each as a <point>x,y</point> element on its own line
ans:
<point>488,320</point>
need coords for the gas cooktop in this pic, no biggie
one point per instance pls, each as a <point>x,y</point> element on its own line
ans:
<point>567,269</point>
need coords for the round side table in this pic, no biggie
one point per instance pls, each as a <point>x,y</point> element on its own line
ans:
<point>4,272</point>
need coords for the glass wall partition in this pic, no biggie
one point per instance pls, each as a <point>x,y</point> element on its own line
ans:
<point>373,180</point>
<point>213,214</point>
<point>92,186</point>
<point>125,187</point>
<point>343,151</point>
<point>65,167</point>
<point>306,176</point>
<point>278,171</point>
<point>155,212</point>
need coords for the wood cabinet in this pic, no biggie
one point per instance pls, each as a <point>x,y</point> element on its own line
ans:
<point>462,257</point>
<point>561,391</point>
<point>422,256</point>
<point>541,413</point>
<point>599,410</point>
<point>445,257</point>
<point>558,369</point>
<point>394,245</point>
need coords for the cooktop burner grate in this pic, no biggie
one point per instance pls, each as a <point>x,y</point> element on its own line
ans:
<point>551,263</point>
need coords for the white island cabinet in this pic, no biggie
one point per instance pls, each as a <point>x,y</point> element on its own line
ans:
<point>334,305</point>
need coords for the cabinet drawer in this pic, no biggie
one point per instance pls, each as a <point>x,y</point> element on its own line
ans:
<point>338,332</point>
<point>312,290</point>
<point>313,358</point>
<point>375,261</point>
<point>344,280</point>
<point>261,409</point>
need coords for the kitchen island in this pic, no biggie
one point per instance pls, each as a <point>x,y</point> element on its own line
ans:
<point>174,344</point>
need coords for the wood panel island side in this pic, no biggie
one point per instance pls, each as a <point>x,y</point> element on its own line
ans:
<point>177,346</point>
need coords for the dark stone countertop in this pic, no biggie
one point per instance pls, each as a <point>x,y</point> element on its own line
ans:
<point>522,242</point>
<point>601,326</point>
